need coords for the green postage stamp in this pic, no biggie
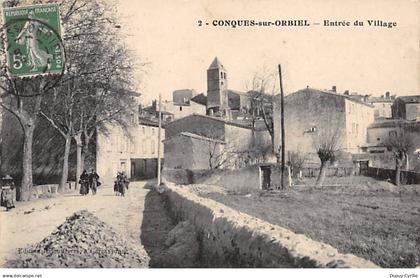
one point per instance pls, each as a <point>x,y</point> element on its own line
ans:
<point>33,37</point>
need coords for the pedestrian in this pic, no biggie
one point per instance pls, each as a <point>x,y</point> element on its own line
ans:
<point>8,193</point>
<point>84,183</point>
<point>94,181</point>
<point>116,185</point>
<point>125,179</point>
<point>120,184</point>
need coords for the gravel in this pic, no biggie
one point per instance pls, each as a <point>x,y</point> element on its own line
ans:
<point>82,241</point>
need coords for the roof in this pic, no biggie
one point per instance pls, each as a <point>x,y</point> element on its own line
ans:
<point>312,90</point>
<point>195,136</point>
<point>148,122</point>
<point>214,119</point>
<point>216,64</point>
<point>238,93</point>
<point>393,123</point>
<point>382,99</point>
<point>409,99</point>
<point>200,99</point>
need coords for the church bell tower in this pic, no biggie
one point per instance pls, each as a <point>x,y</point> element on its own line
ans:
<point>217,93</point>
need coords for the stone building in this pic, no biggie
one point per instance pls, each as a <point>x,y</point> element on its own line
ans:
<point>407,108</point>
<point>309,112</point>
<point>186,150</point>
<point>382,105</point>
<point>241,142</point>
<point>221,101</point>
<point>134,150</point>
<point>379,132</point>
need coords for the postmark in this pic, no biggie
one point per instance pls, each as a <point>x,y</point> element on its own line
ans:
<point>33,40</point>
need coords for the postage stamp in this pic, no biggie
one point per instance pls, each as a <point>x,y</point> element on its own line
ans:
<point>33,36</point>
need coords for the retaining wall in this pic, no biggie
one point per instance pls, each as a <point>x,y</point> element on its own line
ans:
<point>232,239</point>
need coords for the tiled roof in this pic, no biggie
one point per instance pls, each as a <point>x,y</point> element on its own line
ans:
<point>216,64</point>
<point>237,123</point>
<point>311,90</point>
<point>409,99</point>
<point>195,136</point>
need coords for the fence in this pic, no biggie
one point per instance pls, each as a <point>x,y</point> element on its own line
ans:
<point>407,177</point>
<point>311,172</point>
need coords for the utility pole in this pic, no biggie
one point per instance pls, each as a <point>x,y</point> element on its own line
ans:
<point>159,178</point>
<point>282,129</point>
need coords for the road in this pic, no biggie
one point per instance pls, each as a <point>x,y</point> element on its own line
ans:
<point>30,222</point>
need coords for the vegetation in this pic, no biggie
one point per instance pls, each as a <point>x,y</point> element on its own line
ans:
<point>374,220</point>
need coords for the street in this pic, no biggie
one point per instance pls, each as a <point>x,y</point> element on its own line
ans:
<point>30,222</point>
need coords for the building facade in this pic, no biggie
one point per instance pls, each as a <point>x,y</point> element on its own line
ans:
<point>310,113</point>
<point>382,106</point>
<point>407,108</point>
<point>134,151</point>
<point>241,143</point>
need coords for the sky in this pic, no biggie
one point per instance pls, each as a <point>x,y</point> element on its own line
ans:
<point>367,60</point>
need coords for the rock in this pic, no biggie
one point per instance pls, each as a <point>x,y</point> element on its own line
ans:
<point>82,241</point>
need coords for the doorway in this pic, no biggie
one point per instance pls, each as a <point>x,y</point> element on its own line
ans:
<point>265,177</point>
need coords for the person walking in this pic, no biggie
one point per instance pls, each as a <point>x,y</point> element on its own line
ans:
<point>93,181</point>
<point>84,183</point>
<point>8,193</point>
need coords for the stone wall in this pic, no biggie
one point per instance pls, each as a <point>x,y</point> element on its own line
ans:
<point>232,239</point>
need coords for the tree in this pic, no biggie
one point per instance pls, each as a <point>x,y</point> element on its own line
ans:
<point>297,160</point>
<point>96,88</point>
<point>326,144</point>
<point>400,146</point>
<point>23,98</point>
<point>261,92</point>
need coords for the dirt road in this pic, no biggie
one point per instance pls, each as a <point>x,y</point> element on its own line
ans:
<point>31,222</point>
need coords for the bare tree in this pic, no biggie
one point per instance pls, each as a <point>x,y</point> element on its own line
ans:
<point>218,154</point>
<point>261,92</point>
<point>96,88</point>
<point>401,146</point>
<point>297,160</point>
<point>22,98</point>
<point>326,144</point>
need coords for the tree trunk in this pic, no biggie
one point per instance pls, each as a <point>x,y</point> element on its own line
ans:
<point>407,163</point>
<point>27,179</point>
<point>322,172</point>
<point>65,173</point>
<point>397,172</point>
<point>79,166</point>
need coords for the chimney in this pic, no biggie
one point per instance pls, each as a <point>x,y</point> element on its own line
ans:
<point>346,93</point>
<point>387,95</point>
<point>334,89</point>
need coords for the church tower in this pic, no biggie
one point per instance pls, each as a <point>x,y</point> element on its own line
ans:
<point>217,93</point>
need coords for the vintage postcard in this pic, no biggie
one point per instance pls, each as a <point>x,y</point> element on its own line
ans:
<point>210,134</point>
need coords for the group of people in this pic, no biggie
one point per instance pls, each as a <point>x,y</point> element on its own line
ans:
<point>89,181</point>
<point>121,184</point>
<point>8,193</point>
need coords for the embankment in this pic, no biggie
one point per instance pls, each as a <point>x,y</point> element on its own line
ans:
<point>229,238</point>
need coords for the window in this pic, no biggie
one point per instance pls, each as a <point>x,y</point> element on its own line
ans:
<point>152,146</point>
<point>180,108</point>
<point>221,75</point>
<point>393,133</point>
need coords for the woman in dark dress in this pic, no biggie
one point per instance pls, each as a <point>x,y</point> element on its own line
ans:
<point>84,183</point>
